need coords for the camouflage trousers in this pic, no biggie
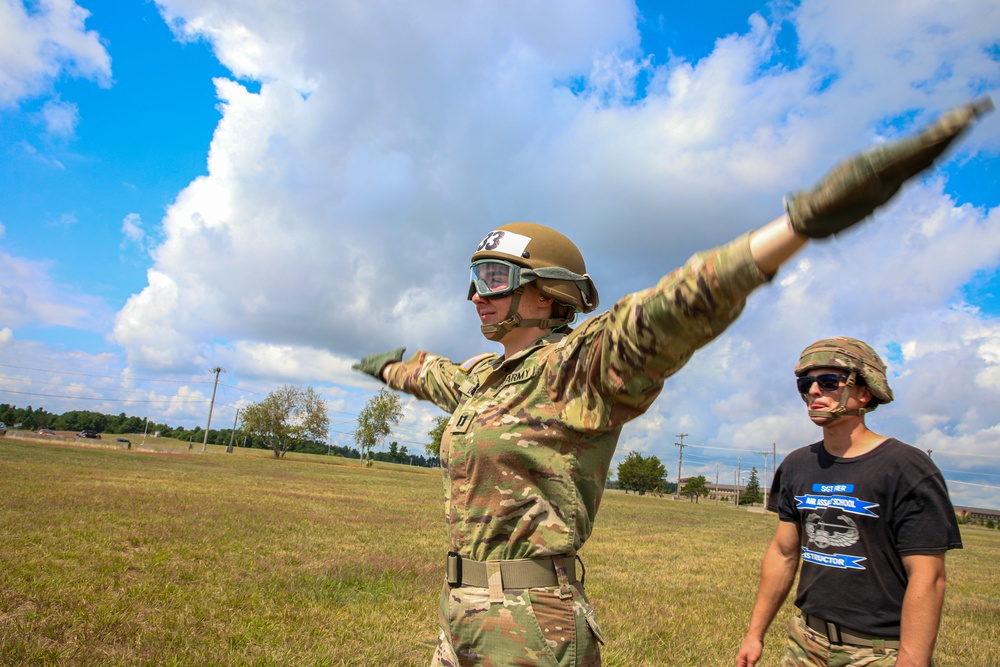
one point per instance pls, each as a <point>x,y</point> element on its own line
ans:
<point>807,648</point>
<point>534,627</point>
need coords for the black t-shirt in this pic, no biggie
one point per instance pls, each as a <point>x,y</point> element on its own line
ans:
<point>858,517</point>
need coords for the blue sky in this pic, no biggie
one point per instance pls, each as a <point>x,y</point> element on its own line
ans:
<point>189,184</point>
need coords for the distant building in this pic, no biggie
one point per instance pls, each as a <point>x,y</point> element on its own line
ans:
<point>719,492</point>
<point>977,514</point>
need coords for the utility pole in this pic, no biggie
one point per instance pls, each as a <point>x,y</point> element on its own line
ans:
<point>145,429</point>
<point>216,370</point>
<point>680,458</point>
<point>716,482</point>
<point>229,449</point>
<point>774,458</point>
<point>737,485</point>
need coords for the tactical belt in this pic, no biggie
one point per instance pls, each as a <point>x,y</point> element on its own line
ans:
<point>515,574</point>
<point>838,634</point>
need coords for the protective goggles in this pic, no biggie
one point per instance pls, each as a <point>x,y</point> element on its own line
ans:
<point>826,382</point>
<point>495,278</point>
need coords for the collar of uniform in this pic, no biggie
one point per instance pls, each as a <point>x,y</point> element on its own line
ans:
<point>547,339</point>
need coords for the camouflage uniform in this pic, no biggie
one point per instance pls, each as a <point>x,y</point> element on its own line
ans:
<point>807,648</point>
<point>526,453</point>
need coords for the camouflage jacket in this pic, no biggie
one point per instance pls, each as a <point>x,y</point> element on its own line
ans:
<point>526,453</point>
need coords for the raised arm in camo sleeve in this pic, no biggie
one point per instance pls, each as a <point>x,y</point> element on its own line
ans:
<point>860,184</point>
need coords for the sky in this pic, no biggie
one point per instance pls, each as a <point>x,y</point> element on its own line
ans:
<point>280,189</point>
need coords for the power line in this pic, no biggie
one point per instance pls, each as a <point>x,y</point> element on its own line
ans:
<point>243,389</point>
<point>400,440</point>
<point>114,400</point>
<point>72,386</point>
<point>754,451</point>
<point>95,375</point>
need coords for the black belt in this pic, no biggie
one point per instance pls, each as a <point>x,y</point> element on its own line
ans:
<point>515,574</point>
<point>838,634</point>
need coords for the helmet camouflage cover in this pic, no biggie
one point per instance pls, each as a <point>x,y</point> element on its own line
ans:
<point>552,261</point>
<point>848,354</point>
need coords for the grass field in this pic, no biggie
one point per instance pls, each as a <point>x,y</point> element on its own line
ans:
<point>114,557</point>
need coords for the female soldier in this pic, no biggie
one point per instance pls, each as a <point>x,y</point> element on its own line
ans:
<point>527,451</point>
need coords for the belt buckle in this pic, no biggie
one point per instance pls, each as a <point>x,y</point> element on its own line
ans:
<point>835,632</point>
<point>453,569</point>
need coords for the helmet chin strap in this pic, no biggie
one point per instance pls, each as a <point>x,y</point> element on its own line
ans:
<point>495,332</point>
<point>827,417</point>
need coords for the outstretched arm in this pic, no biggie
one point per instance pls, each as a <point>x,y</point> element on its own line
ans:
<point>774,243</point>
<point>375,364</point>
<point>857,186</point>
<point>781,561</point>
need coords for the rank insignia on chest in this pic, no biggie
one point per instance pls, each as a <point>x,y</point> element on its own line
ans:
<point>463,421</point>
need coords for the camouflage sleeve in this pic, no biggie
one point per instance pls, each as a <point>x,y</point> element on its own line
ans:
<point>428,377</point>
<point>615,367</point>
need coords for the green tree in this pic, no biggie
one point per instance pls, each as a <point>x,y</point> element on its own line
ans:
<point>397,454</point>
<point>287,416</point>
<point>376,421</point>
<point>695,487</point>
<point>752,493</point>
<point>435,434</point>
<point>641,473</point>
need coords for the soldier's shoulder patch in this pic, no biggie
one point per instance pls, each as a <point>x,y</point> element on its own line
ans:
<point>470,363</point>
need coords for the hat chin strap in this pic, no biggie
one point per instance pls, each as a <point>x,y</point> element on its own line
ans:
<point>495,332</point>
<point>827,417</point>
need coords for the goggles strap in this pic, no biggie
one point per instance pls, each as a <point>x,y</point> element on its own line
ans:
<point>553,323</point>
<point>830,416</point>
<point>583,283</point>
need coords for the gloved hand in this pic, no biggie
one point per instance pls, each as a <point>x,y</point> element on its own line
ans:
<point>860,184</point>
<point>374,363</point>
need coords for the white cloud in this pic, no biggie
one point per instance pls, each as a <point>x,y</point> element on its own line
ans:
<point>133,233</point>
<point>30,296</point>
<point>357,205</point>
<point>6,336</point>
<point>37,47</point>
<point>60,118</point>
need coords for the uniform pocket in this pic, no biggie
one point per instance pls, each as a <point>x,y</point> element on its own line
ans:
<point>557,624</point>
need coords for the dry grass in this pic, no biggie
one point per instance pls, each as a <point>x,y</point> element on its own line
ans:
<point>112,558</point>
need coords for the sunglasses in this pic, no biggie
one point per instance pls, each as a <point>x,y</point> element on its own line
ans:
<point>826,382</point>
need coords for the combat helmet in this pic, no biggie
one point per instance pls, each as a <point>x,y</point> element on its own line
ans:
<point>862,364</point>
<point>515,254</point>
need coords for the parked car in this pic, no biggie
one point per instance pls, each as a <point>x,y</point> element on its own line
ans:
<point>45,431</point>
<point>88,433</point>
<point>3,429</point>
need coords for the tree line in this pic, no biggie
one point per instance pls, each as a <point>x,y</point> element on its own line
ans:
<point>33,419</point>
<point>647,474</point>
